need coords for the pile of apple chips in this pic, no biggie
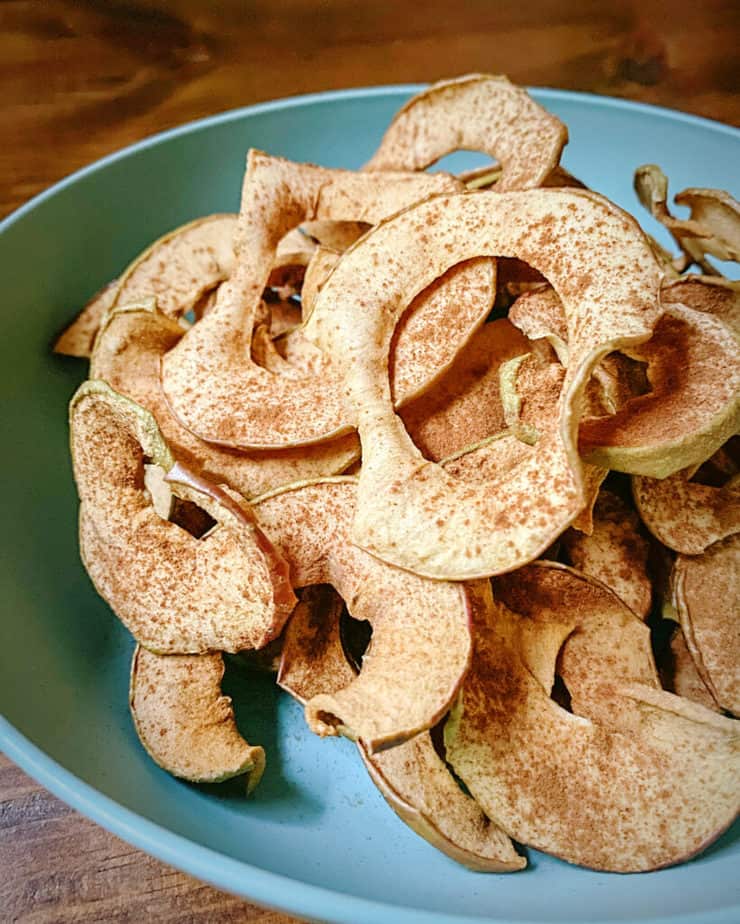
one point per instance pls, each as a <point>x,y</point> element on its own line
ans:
<point>484,420</point>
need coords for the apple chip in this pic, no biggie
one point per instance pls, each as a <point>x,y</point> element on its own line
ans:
<point>685,515</point>
<point>692,409</point>
<point>615,553</point>
<point>478,112</point>
<point>421,639</point>
<point>539,315</point>
<point>706,594</point>
<point>464,406</point>
<point>577,787</point>
<point>427,521</point>
<point>412,777</point>
<point>209,380</point>
<point>718,297</point>
<point>78,339</point>
<point>176,594</point>
<point>678,673</point>
<point>184,721</point>
<point>127,355</point>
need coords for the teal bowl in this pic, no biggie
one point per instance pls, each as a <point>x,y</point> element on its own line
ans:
<point>316,839</point>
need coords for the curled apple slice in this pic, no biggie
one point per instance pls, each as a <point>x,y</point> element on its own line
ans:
<point>678,673</point>
<point>706,594</point>
<point>464,406</point>
<point>413,779</point>
<point>718,297</point>
<point>615,553</point>
<point>421,643</point>
<point>584,789</point>
<point>209,379</point>
<point>478,112</point>
<point>693,408</point>
<point>127,355</point>
<point>184,721</point>
<point>176,594</point>
<point>426,521</point>
<point>78,339</point>
<point>685,515</point>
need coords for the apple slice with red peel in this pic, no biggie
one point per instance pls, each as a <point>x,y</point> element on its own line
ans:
<point>127,354</point>
<point>211,383</point>
<point>421,644</point>
<point>706,594</point>
<point>184,721</point>
<point>413,779</point>
<point>615,553</point>
<point>176,594</point>
<point>477,112</point>
<point>653,794</point>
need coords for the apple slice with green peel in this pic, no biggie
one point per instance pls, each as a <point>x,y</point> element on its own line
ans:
<point>428,522</point>
<point>184,721</point>
<point>693,408</point>
<point>590,793</point>
<point>413,779</point>
<point>421,643</point>
<point>464,406</point>
<point>175,593</point>
<point>127,355</point>
<point>706,595</point>
<point>685,515</point>
<point>478,112</point>
<point>78,339</point>
<point>214,388</point>
<point>615,553</point>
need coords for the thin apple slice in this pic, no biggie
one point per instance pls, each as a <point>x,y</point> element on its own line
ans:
<point>410,512</point>
<point>594,795</point>
<point>685,515</point>
<point>706,594</point>
<point>693,408</point>
<point>176,594</point>
<point>413,779</point>
<point>127,355</point>
<point>184,721</point>
<point>421,643</point>
<point>678,673</point>
<point>539,314</point>
<point>718,297</point>
<point>478,112</point>
<point>464,406</point>
<point>78,339</point>
<point>213,387</point>
<point>615,553</point>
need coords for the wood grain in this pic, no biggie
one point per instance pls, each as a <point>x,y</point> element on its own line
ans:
<point>81,78</point>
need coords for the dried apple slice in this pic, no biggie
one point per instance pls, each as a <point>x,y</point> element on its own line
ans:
<point>539,315</point>
<point>78,339</point>
<point>176,594</point>
<point>127,355</point>
<point>687,516</point>
<point>209,380</point>
<point>678,673</point>
<point>464,406</point>
<point>693,408</point>
<point>322,263</point>
<point>184,721</point>
<point>181,267</point>
<point>478,112</point>
<point>718,297</point>
<point>615,553</point>
<point>706,594</point>
<point>582,789</point>
<point>412,777</point>
<point>421,639</point>
<point>410,512</point>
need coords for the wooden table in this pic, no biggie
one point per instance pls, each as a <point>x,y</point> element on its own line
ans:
<point>81,79</point>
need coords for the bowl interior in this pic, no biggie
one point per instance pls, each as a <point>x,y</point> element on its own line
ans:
<point>64,658</point>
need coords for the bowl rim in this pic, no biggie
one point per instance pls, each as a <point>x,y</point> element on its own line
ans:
<point>208,865</point>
